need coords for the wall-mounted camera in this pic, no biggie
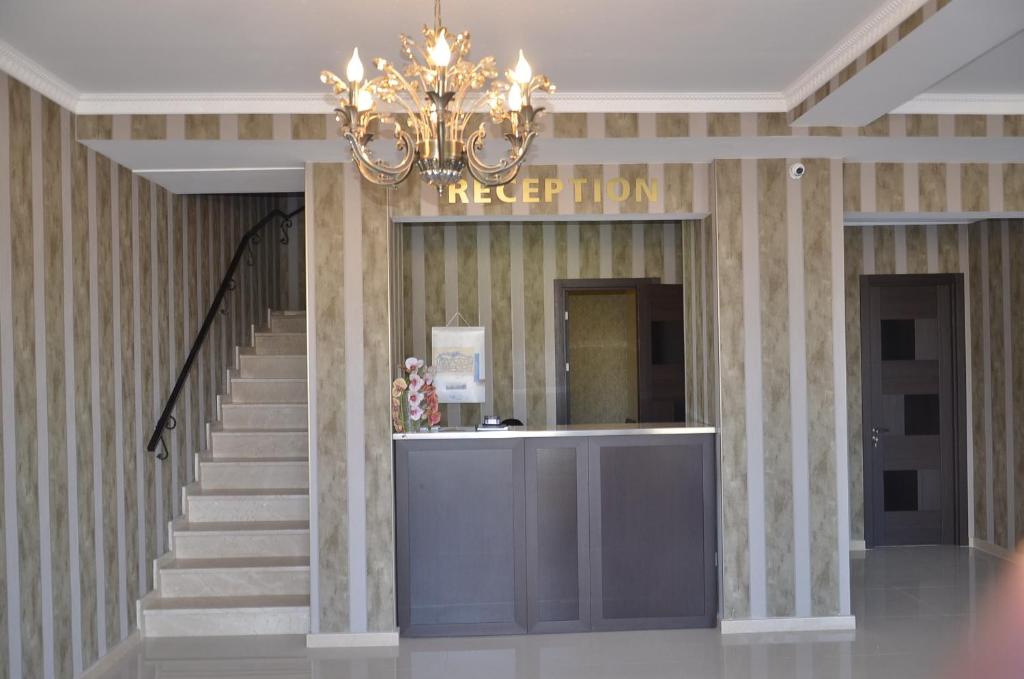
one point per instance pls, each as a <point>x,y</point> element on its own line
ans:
<point>797,171</point>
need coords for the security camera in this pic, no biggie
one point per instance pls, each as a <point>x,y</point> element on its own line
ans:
<point>797,170</point>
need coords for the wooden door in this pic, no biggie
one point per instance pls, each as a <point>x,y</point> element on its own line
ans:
<point>660,362</point>
<point>912,360</point>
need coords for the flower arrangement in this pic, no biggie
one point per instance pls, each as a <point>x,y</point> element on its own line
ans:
<point>414,398</point>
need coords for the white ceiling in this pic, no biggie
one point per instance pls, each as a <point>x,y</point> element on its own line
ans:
<point>1000,71</point>
<point>109,46</point>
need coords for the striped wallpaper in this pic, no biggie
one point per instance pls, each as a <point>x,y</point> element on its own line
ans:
<point>104,278</point>
<point>287,127</point>
<point>987,253</point>
<point>348,285</point>
<point>507,269</point>
<point>936,187</point>
<point>783,412</point>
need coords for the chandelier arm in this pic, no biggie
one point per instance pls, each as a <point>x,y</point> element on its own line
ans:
<point>382,173</point>
<point>504,170</point>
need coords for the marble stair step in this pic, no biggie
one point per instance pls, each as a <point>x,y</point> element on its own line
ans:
<point>264,415</point>
<point>241,473</point>
<point>256,443</point>
<point>225,540</point>
<point>269,390</point>
<point>277,365</point>
<point>279,504</point>
<point>224,616</point>
<point>272,343</point>
<point>234,577</point>
<point>295,322</point>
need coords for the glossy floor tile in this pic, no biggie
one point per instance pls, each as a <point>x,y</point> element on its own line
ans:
<point>916,609</point>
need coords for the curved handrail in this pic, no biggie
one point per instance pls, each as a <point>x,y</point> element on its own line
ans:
<point>167,420</point>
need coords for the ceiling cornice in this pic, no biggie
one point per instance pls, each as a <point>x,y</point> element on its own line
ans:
<point>977,104</point>
<point>204,102</point>
<point>664,102</point>
<point>20,66</point>
<point>856,42</point>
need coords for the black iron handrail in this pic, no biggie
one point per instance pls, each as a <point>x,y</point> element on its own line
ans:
<point>251,237</point>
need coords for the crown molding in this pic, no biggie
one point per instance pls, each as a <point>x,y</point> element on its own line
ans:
<point>856,42</point>
<point>204,102</point>
<point>664,102</point>
<point>977,104</point>
<point>19,66</point>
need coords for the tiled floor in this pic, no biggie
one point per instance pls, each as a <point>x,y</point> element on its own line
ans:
<point>915,608</point>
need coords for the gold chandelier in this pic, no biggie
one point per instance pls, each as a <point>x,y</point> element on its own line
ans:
<point>437,92</point>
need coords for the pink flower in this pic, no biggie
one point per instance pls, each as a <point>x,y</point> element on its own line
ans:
<point>415,399</point>
<point>415,382</point>
<point>412,363</point>
<point>416,414</point>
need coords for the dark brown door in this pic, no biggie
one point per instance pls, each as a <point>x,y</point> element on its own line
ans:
<point>660,383</point>
<point>912,359</point>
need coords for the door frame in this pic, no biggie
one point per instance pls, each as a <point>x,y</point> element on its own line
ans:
<point>562,287</point>
<point>959,365</point>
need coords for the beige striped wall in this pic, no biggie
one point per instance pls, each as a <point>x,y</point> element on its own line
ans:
<point>783,414</point>
<point>936,187</point>
<point>445,276</point>
<point>288,127</point>
<point>349,248</point>
<point>104,278</point>
<point>989,254</point>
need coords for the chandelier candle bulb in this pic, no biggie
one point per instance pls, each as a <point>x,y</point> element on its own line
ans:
<point>354,70</point>
<point>523,72</point>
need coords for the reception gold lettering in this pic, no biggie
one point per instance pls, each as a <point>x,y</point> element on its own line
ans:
<point>618,189</point>
<point>458,189</point>
<point>552,187</point>
<point>646,189</point>
<point>481,194</point>
<point>504,197</point>
<point>577,184</point>
<point>531,189</point>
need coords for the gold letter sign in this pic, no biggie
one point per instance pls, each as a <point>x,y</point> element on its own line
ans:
<point>532,190</point>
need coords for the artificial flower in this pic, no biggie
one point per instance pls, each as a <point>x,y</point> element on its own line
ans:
<point>415,382</point>
<point>415,398</point>
<point>412,363</point>
<point>416,414</point>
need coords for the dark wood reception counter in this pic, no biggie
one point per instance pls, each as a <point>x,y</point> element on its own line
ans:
<point>563,529</point>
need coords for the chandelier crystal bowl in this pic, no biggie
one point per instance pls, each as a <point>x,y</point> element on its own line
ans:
<point>430,103</point>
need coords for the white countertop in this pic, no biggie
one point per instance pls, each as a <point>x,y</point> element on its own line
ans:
<point>670,429</point>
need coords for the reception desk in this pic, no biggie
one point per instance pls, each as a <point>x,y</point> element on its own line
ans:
<point>562,529</point>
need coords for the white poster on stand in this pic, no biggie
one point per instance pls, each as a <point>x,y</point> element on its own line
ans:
<point>458,360</point>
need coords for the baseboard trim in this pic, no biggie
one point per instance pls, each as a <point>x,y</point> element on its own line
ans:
<point>829,623</point>
<point>992,549</point>
<point>352,640</point>
<point>101,667</point>
<point>858,546</point>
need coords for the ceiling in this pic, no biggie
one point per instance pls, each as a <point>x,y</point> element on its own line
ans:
<point>999,71</point>
<point>112,46</point>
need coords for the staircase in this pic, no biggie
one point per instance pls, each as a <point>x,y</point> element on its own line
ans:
<point>239,556</point>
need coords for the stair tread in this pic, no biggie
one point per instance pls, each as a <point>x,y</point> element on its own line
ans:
<point>218,427</point>
<point>238,378</point>
<point>263,404</point>
<point>236,562</point>
<point>225,602</point>
<point>206,458</point>
<point>247,492</point>
<point>241,527</point>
